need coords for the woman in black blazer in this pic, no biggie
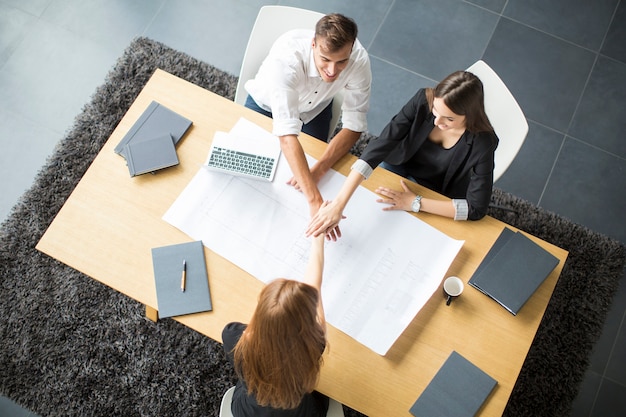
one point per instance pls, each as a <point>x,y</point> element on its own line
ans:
<point>441,139</point>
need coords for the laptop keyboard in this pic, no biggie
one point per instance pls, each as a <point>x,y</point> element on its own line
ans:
<point>242,163</point>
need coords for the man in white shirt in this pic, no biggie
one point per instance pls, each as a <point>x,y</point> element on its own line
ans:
<point>295,86</point>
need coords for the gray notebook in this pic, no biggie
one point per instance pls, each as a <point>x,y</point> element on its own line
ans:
<point>457,390</point>
<point>150,155</point>
<point>156,120</point>
<point>513,269</point>
<point>167,262</point>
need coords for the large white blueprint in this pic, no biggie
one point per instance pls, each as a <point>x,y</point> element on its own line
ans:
<point>376,277</point>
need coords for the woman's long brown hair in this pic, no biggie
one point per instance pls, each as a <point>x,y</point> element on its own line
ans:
<point>462,92</point>
<point>280,354</point>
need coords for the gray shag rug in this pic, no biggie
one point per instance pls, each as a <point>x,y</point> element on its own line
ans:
<point>70,346</point>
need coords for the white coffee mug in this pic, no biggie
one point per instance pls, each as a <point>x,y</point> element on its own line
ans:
<point>452,288</point>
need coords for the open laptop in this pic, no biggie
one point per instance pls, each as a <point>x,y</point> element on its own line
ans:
<point>255,158</point>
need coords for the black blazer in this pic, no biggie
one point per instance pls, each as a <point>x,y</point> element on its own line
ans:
<point>470,174</point>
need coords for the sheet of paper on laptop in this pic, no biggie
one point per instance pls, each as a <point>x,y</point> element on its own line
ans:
<point>377,276</point>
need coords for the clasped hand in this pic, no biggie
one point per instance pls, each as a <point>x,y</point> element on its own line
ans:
<point>327,218</point>
<point>326,221</point>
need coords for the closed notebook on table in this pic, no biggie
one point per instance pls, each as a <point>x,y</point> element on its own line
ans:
<point>156,120</point>
<point>167,262</point>
<point>150,155</point>
<point>513,269</point>
<point>458,389</point>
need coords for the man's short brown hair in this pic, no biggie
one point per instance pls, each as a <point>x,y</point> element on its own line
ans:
<point>336,30</point>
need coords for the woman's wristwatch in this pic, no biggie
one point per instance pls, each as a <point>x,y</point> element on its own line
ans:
<point>416,204</point>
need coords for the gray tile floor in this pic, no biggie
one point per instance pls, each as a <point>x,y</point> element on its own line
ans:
<point>564,60</point>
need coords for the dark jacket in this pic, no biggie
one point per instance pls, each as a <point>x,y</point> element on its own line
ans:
<point>469,176</point>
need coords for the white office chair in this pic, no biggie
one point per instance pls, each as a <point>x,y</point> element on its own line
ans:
<point>505,116</point>
<point>225,405</point>
<point>334,408</point>
<point>271,22</point>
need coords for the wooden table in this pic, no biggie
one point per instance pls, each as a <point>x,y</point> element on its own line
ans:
<point>110,223</point>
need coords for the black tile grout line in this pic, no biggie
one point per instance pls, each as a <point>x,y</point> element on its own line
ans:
<point>400,67</point>
<point>553,36</point>
<point>382,22</point>
<point>556,159</point>
<point>156,14</point>
<point>577,139</point>
<point>596,147</point>
<point>593,67</point>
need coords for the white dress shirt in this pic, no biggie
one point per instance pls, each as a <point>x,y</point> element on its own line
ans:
<point>288,84</point>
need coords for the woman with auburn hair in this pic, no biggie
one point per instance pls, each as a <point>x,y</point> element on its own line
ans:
<point>441,139</point>
<point>278,355</point>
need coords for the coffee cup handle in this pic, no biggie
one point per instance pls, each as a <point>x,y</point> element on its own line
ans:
<point>449,300</point>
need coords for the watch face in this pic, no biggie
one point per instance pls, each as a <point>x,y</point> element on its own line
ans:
<point>416,205</point>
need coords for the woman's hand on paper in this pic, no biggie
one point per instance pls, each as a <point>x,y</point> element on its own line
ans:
<point>397,200</point>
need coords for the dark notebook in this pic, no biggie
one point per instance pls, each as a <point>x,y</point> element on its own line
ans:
<point>167,262</point>
<point>150,155</point>
<point>458,389</point>
<point>155,121</point>
<point>513,269</point>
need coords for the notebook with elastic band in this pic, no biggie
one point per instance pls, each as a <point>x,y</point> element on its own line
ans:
<point>156,120</point>
<point>150,155</point>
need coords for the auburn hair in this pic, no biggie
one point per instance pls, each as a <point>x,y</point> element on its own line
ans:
<point>336,31</point>
<point>279,355</point>
<point>462,92</point>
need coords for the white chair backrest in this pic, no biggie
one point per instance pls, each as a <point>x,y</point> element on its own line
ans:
<point>227,399</point>
<point>334,408</point>
<point>505,116</point>
<point>271,22</point>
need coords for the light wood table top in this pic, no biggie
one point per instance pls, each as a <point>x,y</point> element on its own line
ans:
<point>110,223</point>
